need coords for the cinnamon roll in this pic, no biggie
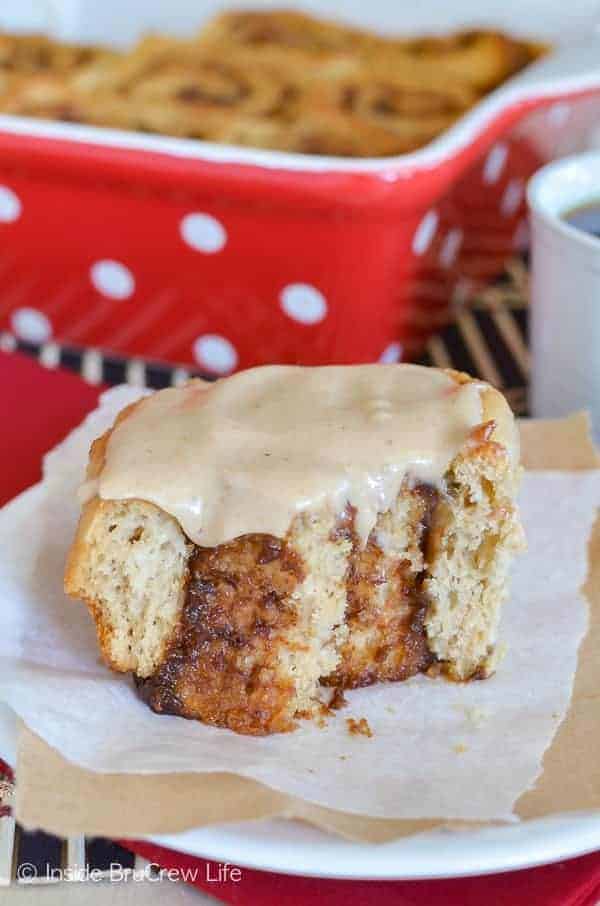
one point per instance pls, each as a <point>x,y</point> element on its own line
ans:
<point>268,79</point>
<point>244,545</point>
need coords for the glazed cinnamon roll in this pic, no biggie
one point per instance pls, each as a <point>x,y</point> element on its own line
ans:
<point>244,543</point>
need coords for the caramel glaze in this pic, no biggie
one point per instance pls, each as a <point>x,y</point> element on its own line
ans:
<point>222,665</point>
<point>255,449</point>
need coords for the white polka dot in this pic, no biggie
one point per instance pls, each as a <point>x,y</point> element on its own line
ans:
<point>558,114</point>
<point>450,247</point>
<point>203,233</point>
<point>112,279</point>
<point>513,195</point>
<point>494,163</point>
<point>215,353</point>
<point>31,325</point>
<point>391,354</point>
<point>425,233</point>
<point>10,205</point>
<point>303,303</point>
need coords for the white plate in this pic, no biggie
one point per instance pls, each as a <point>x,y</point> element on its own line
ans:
<point>294,848</point>
<point>291,847</point>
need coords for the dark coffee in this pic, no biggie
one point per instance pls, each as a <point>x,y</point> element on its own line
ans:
<point>585,217</point>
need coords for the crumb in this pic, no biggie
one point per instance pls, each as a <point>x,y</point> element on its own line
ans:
<point>343,757</point>
<point>434,671</point>
<point>460,747</point>
<point>338,699</point>
<point>359,727</point>
<point>390,709</point>
<point>323,710</point>
<point>493,661</point>
<point>475,716</point>
<point>482,433</point>
<point>319,713</point>
<point>500,652</point>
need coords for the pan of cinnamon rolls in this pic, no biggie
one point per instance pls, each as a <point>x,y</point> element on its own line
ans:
<point>275,80</point>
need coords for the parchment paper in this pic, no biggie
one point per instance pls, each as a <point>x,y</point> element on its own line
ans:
<point>422,758</point>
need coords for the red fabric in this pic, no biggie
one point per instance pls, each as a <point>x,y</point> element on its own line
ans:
<point>5,774</point>
<point>37,408</point>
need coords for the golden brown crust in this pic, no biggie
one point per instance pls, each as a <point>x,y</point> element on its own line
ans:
<point>74,580</point>
<point>38,53</point>
<point>78,575</point>
<point>89,510</point>
<point>75,583</point>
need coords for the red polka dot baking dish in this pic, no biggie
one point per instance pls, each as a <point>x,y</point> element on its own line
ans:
<point>220,257</point>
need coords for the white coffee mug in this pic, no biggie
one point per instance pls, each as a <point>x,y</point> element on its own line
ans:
<point>565,291</point>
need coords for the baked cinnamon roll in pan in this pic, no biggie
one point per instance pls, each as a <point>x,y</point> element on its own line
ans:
<point>280,80</point>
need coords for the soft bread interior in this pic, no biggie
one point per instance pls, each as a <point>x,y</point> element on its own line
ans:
<point>384,637</point>
<point>474,537</point>
<point>320,601</point>
<point>129,565</point>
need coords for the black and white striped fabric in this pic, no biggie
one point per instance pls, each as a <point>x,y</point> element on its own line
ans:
<point>40,858</point>
<point>31,858</point>
<point>488,339</point>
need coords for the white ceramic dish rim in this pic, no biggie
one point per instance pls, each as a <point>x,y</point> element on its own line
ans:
<point>290,847</point>
<point>570,70</point>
